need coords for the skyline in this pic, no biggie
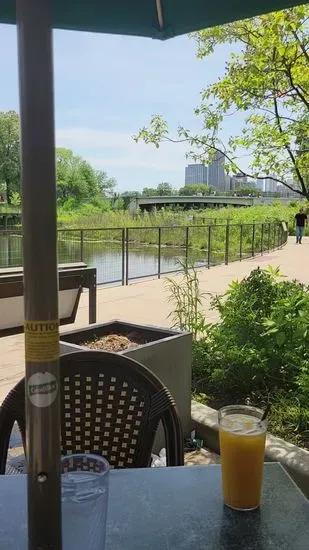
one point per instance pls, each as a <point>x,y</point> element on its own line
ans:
<point>102,99</point>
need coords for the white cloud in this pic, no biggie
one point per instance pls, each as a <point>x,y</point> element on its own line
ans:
<point>103,149</point>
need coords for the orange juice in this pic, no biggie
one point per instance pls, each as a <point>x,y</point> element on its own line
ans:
<point>242,444</point>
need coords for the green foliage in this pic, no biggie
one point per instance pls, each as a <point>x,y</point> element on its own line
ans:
<point>150,192</point>
<point>263,213</point>
<point>78,182</point>
<point>266,79</point>
<point>15,199</point>
<point>195,189</point>
<point>164,189</point>
<point>187,300</point>
<point>289,417</point>
<point>9,153</point>
<point>105,183</point>
<point>259,352</point>
<point>246,192</point>
<point>72,215</point>
<point>173,234</point>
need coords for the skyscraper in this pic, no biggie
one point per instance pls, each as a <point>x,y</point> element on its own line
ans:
<point>195,173</point>
<point>216,174</point>
<point>270,185</point>
<point>260,185</point>
<point>240,180</point>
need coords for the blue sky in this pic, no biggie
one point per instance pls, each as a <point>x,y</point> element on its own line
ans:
<point>107,87</point>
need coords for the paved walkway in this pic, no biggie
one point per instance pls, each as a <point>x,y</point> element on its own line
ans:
<point>147,302</point>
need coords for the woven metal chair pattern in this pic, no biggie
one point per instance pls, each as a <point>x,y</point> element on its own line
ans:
<point>111,406</point>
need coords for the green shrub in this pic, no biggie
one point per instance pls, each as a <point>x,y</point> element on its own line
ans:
<point>259,352</point>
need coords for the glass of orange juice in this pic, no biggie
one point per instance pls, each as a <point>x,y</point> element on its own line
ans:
<point>242,434</point>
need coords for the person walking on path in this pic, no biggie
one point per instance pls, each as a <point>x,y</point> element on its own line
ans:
<point>301,221</point>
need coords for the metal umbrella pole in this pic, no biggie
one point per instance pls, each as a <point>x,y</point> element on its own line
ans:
<point>40,273</point>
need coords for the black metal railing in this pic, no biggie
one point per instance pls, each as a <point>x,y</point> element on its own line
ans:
<point>121,255</point>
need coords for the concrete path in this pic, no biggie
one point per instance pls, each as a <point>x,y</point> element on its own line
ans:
<point>147,302</point>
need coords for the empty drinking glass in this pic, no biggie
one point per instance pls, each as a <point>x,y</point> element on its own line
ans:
<point>84,495</point>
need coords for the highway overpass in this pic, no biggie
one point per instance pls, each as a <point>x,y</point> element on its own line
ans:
<point>213,201</point>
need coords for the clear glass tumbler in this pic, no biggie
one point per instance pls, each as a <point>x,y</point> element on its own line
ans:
<point>84,495</point>
<point>242,434</point>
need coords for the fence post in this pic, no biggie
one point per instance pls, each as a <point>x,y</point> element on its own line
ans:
<point>279,226</point>
<point>253,240</point>
<point>127,256</point>
<point>159,252</point>
<point>187,246</point>
<point>10,263</point>
<point>123,248</point>
<point>209,245</point>
<point>240,243</point>
<point>227,243</point>
<point>81,245</point>
<point>262,239</point>
<point>269,230</point>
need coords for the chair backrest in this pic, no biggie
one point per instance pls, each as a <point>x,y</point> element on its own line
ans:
<point>111,406</point>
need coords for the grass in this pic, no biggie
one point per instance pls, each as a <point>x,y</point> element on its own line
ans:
<point>9,209</point>
<point>143,227</point>
<point>89,216</point>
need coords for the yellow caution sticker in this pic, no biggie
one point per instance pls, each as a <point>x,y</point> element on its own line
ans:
<point>41,341</point>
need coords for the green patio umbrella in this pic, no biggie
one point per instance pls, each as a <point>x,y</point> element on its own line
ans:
<point>35,19</point>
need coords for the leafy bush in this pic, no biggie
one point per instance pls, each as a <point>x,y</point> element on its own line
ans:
<point>259,351</point>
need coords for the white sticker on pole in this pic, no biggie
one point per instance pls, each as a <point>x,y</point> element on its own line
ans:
<point>42,389</point>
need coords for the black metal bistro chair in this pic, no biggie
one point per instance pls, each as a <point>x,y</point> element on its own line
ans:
<point>111,406</point>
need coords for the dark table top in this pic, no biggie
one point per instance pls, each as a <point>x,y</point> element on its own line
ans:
<point>177,509</point>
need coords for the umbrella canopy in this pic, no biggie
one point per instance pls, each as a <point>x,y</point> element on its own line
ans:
<point>150,18</point>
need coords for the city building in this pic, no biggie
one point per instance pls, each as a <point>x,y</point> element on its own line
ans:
<point>288,193</point>
<point>240,180</point>
<point>260,185</point>
<point>270,186</point>
<point>216,174</point>
<point>196,173</point>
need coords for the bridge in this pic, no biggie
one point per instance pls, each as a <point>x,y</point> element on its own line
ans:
<point>212,201</point>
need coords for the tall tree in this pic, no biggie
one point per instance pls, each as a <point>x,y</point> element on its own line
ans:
<point>195,189</point>
<point>106,184</point>
<point>9,153</point>
<point>164,189</point>
<point>267,78</point>
<point>150,192</point>
<point>77,180</point>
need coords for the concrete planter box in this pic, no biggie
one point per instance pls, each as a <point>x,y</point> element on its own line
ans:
<point>168,354</point>
<point>294,459</point>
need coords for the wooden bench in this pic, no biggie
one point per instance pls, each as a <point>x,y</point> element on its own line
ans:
<point>71,284</point>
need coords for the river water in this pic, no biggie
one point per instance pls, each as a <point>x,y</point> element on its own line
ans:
<point>108,258</point>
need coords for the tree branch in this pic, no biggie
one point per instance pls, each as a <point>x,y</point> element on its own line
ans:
<point>301,45</point>
<point>296,88</point>
<point>291,155</point>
